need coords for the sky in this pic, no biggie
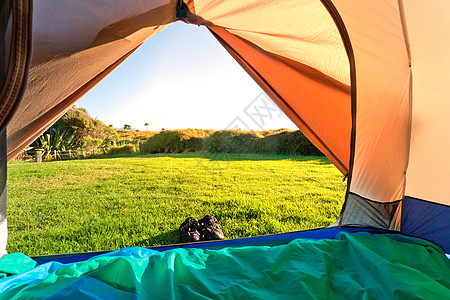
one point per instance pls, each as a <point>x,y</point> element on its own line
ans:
<point>182,78</point>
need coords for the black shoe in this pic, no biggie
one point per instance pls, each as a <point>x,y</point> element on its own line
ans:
<point>189,231</point>
<point>209,229</point>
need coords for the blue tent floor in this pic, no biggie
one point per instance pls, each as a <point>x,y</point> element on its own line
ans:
<point>340,264</point>
<point>264,240</point>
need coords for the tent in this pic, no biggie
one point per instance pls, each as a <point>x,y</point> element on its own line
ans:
<point>365,81</point>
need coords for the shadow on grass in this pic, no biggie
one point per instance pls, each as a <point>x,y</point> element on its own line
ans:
<point>212,157</point>
<point>165,238</point>
<point>225,156</point>
<point>252,157</point>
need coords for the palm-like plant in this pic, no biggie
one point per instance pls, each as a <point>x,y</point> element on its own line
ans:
<point>59,137</point>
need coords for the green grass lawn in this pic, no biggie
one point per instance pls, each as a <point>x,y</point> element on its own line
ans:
<point>110,203</point>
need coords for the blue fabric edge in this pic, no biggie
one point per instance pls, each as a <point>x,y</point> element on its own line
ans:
<point>427,220</point>
<point>273,239</point>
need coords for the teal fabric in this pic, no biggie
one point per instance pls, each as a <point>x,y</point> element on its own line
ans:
<point>351,266</point>
<point>15,263</point>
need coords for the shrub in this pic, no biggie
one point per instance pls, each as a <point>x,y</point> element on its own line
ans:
<point>58,137</point>
<point>78,130</point>
<point>176,141</point>
<point>194,144</point>
<point>168,141</point>
<point>111,137</point>
<point>137,136</point>
<point>290,143</point>
<point>91,143</point>
<point>126,149</point>
<point>282,141</point>
<point>234,141</point>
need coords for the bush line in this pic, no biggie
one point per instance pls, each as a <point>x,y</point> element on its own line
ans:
<point>282,141</point>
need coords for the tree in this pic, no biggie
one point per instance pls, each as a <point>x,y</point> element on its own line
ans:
<point>86,128</point>
<point>146,126</point>
<point>111,137</point>
<point>76,130</point>
<point>127,127</point>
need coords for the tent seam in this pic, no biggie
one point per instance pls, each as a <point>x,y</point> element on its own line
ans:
<point>410,100</point>
<point>374,201</point>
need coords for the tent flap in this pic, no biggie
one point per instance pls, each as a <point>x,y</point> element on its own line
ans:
<point>295,52</point>
<point>291,85</point>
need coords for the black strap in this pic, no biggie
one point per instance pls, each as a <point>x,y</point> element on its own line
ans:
<point>3,174</point>
<point>182,10</point>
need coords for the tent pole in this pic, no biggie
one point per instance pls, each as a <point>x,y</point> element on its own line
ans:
<point>5,14</point>
<point>3,176</point>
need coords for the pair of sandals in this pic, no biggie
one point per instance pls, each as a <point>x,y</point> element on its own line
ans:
<point>190,231</point>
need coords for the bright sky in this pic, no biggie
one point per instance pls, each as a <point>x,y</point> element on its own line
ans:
<point>182,78</point>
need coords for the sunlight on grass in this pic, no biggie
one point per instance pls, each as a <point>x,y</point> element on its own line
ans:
<point>105,204</point>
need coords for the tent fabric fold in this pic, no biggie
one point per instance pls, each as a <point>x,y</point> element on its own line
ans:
<point>16,55</point>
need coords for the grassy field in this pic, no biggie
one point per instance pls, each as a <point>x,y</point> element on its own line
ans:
<point>104,204</point>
